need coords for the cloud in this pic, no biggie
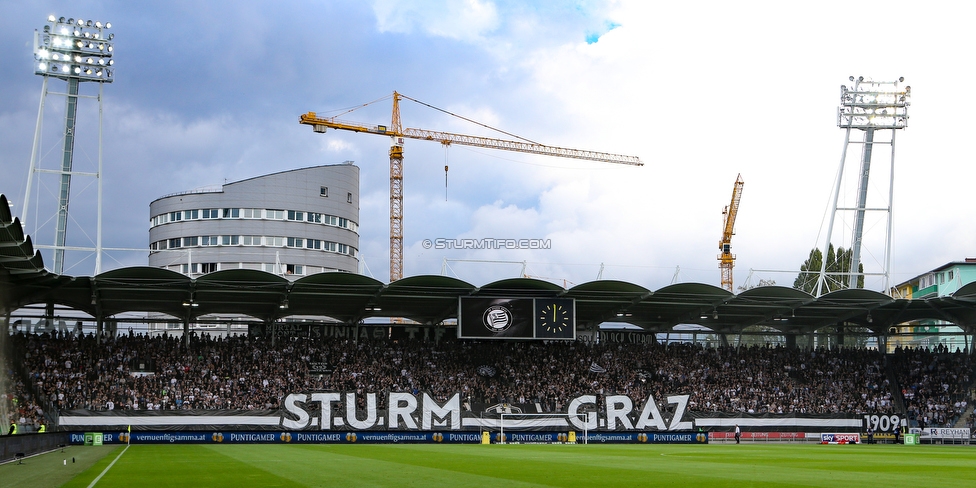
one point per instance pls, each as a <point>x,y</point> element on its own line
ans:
<point>465,20</point>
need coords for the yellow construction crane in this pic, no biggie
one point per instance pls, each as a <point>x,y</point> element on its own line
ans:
<point>397,134</point>
<point>726,258</point>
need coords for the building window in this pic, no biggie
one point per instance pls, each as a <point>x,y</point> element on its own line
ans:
<point>296,242</point>
<point>208,267</point>
<point>324,191</point>
<point>349,197</point>
<point>190,241</point>
<point>296,215</point>
<point>274,241</point>
<point>950,275</point>
<point>191,214</point>
<point>210,213</point>
<point>174,216</point>
<point>314,217</point>
<point>208,240</point>
<point>274,214</point>
<point>189,268</point>
<point>230,240</point>
<point>293,269</point>
<point>174,243</point>
<point>232,213</point>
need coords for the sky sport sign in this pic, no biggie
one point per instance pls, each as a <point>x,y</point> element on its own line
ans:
<point>516,318</point>
<point>421,412</point>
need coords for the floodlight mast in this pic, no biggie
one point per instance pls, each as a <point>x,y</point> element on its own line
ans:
<point>868,106</point>
<point>73,50</point>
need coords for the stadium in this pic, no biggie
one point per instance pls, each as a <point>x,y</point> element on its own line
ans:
<point>516,362</point>
<point>252,349</point>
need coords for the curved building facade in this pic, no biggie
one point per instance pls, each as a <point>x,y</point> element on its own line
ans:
<point>293,223</point>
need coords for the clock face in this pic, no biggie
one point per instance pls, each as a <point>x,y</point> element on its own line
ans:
<point>554,318</point>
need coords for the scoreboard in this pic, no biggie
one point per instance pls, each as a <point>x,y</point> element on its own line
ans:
<point>516,318</point>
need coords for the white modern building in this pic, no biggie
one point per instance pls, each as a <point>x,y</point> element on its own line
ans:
<point>293,223</point>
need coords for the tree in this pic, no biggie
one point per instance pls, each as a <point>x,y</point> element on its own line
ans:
<point>838,265</point>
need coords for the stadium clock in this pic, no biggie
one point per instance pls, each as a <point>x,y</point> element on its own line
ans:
<point>554,318</point>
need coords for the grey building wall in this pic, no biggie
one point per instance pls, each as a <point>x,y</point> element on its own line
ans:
<point>293,223</point>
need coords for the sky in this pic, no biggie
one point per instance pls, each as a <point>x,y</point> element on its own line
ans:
<point>208,92</point>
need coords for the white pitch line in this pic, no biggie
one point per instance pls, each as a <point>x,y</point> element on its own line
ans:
<point>108,467</point>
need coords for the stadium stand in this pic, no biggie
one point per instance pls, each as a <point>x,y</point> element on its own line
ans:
<point>241,373</point>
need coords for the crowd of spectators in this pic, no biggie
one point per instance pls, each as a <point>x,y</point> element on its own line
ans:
<point>17,404</point>
<point>240,372</point>
<point>935,383</point>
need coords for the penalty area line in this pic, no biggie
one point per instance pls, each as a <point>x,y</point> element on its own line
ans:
<point>108,467</point>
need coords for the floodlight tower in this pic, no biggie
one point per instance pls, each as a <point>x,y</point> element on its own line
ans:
<point>75,51</point>
<point>868,106</point>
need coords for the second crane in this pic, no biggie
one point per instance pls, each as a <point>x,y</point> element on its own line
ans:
<point>726,260</point>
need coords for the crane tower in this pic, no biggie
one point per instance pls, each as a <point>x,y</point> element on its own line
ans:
<point>397,133</point>
<point>726,260</point>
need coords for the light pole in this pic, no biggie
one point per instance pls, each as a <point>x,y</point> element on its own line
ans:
<point>75,51</point>
<point>867,106</point>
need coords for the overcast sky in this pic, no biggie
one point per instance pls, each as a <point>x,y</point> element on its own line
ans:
<point>208,92</point>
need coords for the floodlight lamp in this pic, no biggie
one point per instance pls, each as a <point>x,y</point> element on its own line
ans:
<point>61,20</point>
<point>50,18</point>
<point>81,22</point>
<point>89,23</point>
<point>98,24</point>
<point>42,66</point>
<point>111,36</point>
<point>851,77</point>
<point>70,20</point>
<point>108,25</point>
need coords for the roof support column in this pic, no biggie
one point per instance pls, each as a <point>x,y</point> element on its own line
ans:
<point>186,330</point>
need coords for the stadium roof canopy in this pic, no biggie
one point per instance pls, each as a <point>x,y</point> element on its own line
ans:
<point>430,300</point>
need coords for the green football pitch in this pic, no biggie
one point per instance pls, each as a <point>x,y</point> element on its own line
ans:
<point>428,466</point>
